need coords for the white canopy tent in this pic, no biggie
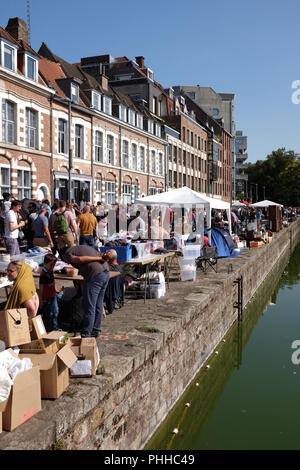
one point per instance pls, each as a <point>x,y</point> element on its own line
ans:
<point>186,197</point>
<point>238,204</point>
<point>265,203</point>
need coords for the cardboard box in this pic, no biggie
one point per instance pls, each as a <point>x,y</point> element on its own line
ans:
<point>254,244</point>
<point>14,327</point>
<point>2,408</point>
<point>38,330</point>
<point>54,366</point>
<point>85,349</point>
<point>24,400</point>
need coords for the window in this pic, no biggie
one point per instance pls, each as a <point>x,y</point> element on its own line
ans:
<point>107,105</point>
<point>188,136</point>
<point>152,191</point>
<point>158,130</point>
<point>74,93</point>
<point>24,184</point>
<point>99,146</point>
<point>125,154</point>
<point>123,113</point>
<point>142,159</point>
<point>78,141</point>
<point>98,190</point>
<point>62,136</point>
<point>31,67</point>
<point>183,134</point>
<point>152,162</point>
<point>4,180</point>
<point>9,122</point>
<point>110,149</point>
<point>215,112</point>
<point>160,163</point>
<point>126,193</point>
<point>139,121</point>
<point>192,139</point>
<point>110,192</point>
<point>150,126</point>
<point>96,100</point>
<point>134,156</point>
<point>31,128</point>
<point>131,117</point>
<point>160,190</point>
<point>136,191</point>
<point>175,154</point>
<point>154,104</point>
<point>159,108</point>
<point>9,54</point>
<point>170,152</point>
<point>191,94</point>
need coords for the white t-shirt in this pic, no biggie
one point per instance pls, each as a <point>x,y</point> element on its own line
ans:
<point>11,217</point>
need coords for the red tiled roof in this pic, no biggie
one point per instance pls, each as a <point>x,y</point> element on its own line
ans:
<point>50,72</point>
<point>5,35</point>
<point>25,47</point>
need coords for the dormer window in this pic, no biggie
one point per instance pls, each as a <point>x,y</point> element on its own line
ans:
<point>31,68</point>
<point>8,57</point>
<point>131,117</point>
<point>106,104</point>
<point>74,93</point>
<point>139,121</point>
<point>150,126</point>
<point>122,113</point>
<point>158,130</point>
<point>96,100</point>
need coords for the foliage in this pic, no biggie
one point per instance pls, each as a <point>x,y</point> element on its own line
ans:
<point>280,175</point>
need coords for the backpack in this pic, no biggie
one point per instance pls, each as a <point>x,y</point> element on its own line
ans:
<point>61,225</point>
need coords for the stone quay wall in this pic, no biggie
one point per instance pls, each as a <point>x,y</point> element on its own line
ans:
<point>150,353</point>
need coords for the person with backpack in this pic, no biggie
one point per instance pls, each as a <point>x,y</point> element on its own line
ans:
<point>40,229</point>
<point>64,226</point>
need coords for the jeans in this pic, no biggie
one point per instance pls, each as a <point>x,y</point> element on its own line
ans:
<point>88,240</point>
<point>50,314</point>
<point>93,295</point>
<point>12,246</point>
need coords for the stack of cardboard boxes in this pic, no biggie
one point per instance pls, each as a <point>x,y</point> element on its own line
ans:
<point>52,356</point>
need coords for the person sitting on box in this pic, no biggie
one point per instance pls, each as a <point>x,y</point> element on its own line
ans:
<point>23,294</point>
<point>47,294</point>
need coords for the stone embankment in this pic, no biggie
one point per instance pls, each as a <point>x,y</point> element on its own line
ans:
<point>150,353</point>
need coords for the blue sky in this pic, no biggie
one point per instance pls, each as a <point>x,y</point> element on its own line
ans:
<point>247,47</point>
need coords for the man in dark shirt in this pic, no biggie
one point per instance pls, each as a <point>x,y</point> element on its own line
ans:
<point>95,272</point>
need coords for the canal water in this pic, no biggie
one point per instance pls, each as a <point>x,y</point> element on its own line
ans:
<point>249,397</point>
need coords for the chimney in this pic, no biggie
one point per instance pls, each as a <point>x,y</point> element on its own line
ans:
<point>140,61</point>
<point>103,79</point>
<point>17,28</point>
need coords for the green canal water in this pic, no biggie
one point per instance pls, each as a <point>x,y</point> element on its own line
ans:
<point>249,397</point>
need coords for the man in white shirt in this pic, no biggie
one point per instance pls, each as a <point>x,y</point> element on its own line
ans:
<point>138,226</point>
<point>11,228</point>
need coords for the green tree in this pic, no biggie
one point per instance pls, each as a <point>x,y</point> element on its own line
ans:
<point>273,174</point>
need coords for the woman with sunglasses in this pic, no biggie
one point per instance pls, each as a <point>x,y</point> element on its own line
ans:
<point>23,293</point>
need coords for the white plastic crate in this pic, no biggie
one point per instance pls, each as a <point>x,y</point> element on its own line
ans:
<point>191,251</point>
<point>157,290</point>
<point>186,263</point>
<point>188,274</point>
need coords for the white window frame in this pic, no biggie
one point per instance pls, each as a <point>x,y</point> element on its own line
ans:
<point>62,136</point>
<point>131,117</point>
<point>160,163</point>
<point>110,192</point>
<point>14,55</point>
<point>35,61</point>
<point>125,154</point>
<point>134,156</point>
<point>110,150</point>
<point>122,113</point>
<point>31,130</point>
<point>126,193</point>
<point>152,190</point>
<point>157,130</point>
<point>24,191</point>
<point>150,126</point>
<point>140,121</point>
<point>135,191</point>
<point>98,191</point>
<point>6,123</point>
<point>142,158</point>
<point>79,144</point>
<point>76,94</point>
<point>152,159</point>
<point>159,108</point>
<point>98,147</point>
<point>107,105</point>
<point>4,188</point>
<point>96,100</point>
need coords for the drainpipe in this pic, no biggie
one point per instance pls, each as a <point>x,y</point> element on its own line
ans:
<point>148,166</point>
<point>52,185</point>
<point>70,149</point>
<point>166,168</point>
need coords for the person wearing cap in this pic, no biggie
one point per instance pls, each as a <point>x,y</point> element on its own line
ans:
<point>40,229</point>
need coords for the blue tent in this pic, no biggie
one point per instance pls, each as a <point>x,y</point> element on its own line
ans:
<point>222,240</point>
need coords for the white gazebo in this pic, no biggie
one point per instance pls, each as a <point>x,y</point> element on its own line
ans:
<point>265,203</point>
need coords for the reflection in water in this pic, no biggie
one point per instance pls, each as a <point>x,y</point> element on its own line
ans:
<point>230,383</point>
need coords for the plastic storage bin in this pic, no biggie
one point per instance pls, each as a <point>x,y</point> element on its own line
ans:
<point>124,252</point>
<point>188,274</point>
<point>157,290</point>
<point>191,251</point>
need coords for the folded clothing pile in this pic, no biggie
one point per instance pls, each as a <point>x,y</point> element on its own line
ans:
<point>10,367</point>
